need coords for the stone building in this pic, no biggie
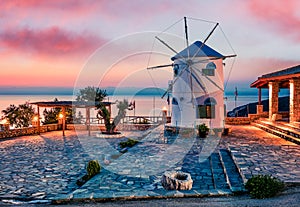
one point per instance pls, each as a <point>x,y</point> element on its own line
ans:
<point>287,78</point>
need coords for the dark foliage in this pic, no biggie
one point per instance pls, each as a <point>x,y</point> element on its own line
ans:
<point>264,186</point>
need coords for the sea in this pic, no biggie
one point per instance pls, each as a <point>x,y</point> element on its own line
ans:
<point>145,105</point>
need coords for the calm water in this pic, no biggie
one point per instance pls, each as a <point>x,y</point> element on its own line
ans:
<point>145,105</point>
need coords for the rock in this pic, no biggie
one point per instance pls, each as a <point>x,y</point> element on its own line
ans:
<point>177,180</point>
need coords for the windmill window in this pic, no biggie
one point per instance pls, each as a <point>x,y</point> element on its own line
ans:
<point>209,70</point>
<point>176,69</point>
<point>207,110</point>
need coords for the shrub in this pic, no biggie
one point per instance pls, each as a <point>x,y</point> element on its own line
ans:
<point>93,168</point>
<point>264,186</point>
<point>128,143</point>
<point>202,130</point>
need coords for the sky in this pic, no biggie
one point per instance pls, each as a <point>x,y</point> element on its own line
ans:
<point>75,43</point>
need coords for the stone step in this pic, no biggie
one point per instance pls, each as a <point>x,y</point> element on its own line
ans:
<point>287,134</point>
<point>218,173</point>
<point>231,171</point>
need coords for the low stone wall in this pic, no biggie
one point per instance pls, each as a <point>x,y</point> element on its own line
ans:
<point>54,127</point>
<point>83,127</point>
<point>120,127</point>
<point>29,131</point>
<point>134,127</point>
<point>237,120</point>
<point>254,117</point>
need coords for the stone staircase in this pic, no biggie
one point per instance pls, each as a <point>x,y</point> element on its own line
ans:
<point>218,172</point>
<point>232,172</point>
<point>285,131</point>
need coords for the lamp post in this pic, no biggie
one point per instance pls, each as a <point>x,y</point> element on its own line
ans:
<point>164,114</point>
<point>35,120</point>
<point>62,118</point>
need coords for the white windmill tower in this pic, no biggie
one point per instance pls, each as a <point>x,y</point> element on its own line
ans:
<point>198,84</point>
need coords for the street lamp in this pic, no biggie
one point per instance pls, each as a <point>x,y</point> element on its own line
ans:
<point>164,114</point>
<point>60,116</point>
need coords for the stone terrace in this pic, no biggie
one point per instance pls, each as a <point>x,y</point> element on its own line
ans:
<point>47,166</point>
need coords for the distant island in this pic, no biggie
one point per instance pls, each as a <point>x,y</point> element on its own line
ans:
<point>68,91</point>
<point>244,110</point>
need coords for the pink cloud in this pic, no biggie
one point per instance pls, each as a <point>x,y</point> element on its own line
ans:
<point>51,41</point>
<point>283,16</point>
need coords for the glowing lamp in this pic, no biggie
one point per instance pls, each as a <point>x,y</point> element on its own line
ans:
<point>60,116</point>
<point>164,108</point>
<point>35,118</point>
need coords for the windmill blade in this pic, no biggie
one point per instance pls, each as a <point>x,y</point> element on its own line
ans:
<point>186,36</point>
<point>214,58</point>
<point>165,44</point>
<point>210,80</point>
<point>171,85</point>
<point>188,56</point>
<point>167,91</point>
<point>199,82</point>
<point>191,86</point>
<point>203,43</point>
<point>160,66</point>
<point>213,82</point>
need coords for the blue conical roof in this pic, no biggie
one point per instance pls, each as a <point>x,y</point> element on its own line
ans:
<point>205,51</point>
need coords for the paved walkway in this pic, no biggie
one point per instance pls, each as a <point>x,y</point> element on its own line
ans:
<point>47,166</point>
<point>138,172</point>
<point>258,152</point>
<point>39,167</point>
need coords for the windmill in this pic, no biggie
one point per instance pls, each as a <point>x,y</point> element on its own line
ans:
<point>198,84</point>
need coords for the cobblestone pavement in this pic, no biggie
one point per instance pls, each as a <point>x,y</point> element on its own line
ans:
<point>39,167</point>
<point>258,152</point>
<point>47,166</point>
<point>138,172</point>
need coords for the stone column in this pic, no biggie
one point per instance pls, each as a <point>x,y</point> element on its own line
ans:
<point>88,120</point>
<point>63,120</point>
<point>259,109</point>
<point>259,96</point>
<point>294,100</point>
<point>273,98</point>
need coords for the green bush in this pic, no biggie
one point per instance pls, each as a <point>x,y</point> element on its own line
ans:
<point>264,186</point>
<point>202,130</point>
<point>128,143</point>
<point>93,168</point>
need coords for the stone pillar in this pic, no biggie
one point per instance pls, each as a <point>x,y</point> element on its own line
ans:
<point>88,120</point>
<point>63,120</point>
<point>259,96</point>
<point>38,122</point>
<point>259,109</point>
<point>294,100</point>
<point>273,98</point>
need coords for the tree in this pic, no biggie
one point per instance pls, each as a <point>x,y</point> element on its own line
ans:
<point>98,95</point>
<point>51,115</point>
<point>19,116</point>
<point>104,113</point>
<point>91,94</point>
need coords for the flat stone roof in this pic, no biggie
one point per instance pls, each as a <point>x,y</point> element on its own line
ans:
<point>282,76</point>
